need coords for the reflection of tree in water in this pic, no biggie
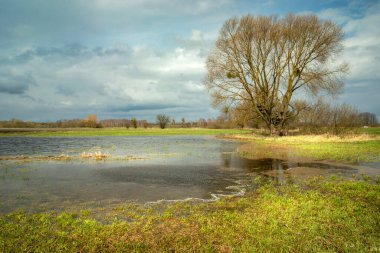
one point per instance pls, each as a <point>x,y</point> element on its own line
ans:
<point>232,161</point>
<point>226,160</point>
<point>278,170</point>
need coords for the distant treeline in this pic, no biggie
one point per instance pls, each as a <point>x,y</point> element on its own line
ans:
<point>17,123</point>
<point>92,122</point>
<point>320,117</point>
<point>323,117</point>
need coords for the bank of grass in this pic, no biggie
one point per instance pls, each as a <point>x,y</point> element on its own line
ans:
<point>349,149</point>
<point>84,132</point>
<point>319,215</point>
<point>371,130</point>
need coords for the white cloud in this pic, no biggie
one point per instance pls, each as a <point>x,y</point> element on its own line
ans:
<point>124,58</point>
<point>118,78</point>
<point>194,87</point>
<point>362,52</point>
<point>337,15</point>
<point>362,47</point>
<point>160,7</point>
<point>196,35</point>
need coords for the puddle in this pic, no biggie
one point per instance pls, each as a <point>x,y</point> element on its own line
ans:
<point>175,168</point>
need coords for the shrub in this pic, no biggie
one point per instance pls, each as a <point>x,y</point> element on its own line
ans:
<point>162,120</point>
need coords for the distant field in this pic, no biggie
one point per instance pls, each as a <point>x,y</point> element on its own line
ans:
<point>371,130</point>
<point>51,132</point>
<point>350,149</point>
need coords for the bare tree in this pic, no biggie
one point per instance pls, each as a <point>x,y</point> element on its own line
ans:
<point>242,115</point>
<point>134,122</point>
<point>322,117</point>
<point>264,61</point>
<point>91,121</point>
<point>368,119</point>
<point>202,123</point>
<point>162,120</point>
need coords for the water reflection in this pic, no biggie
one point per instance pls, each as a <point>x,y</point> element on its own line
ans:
<point>178,167</point>
<point>284,171</point>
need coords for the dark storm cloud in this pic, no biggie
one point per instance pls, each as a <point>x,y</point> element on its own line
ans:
<point>73,50</point>
<point>66,91</point>
<point>143,107</point>
<point>15,84</point>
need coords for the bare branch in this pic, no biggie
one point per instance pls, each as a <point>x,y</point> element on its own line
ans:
<point>263,61</point>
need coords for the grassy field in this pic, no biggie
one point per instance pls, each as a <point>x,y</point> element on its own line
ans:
<point>320,215</point>
<point>47,132</point>
<point>82,132</point>
<point>349,149</point>
<point>371,130</point>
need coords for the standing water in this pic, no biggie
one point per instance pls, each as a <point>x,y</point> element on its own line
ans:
<point>59,173</point>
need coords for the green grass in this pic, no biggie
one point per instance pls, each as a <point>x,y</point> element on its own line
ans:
<point>83,132</point>
<point>371,130</point>
<point>349,150</point>
<point>320,215</point>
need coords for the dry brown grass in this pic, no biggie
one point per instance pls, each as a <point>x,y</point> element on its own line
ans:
<point>307,138</point>
<point>97,155</point>
<point>349,148</point>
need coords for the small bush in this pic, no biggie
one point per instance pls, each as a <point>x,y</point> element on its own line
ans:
<point>162,120</point>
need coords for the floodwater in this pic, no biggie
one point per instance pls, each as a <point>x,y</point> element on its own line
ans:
<point>137,169</point>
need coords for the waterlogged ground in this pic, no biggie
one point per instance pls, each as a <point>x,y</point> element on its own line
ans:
<point>62,173</point>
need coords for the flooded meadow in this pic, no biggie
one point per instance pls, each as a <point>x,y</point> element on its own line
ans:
<point>73,173</point>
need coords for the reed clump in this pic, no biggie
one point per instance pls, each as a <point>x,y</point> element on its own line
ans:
<point>98,155</point>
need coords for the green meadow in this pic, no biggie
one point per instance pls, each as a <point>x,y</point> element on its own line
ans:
<point>371,130</point>
<point>346,149</point>
<point>319,215</point>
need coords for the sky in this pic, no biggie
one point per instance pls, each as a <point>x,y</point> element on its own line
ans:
<point>63,59</point>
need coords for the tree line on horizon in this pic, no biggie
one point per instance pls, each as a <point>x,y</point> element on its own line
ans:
<point>319,117</point>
